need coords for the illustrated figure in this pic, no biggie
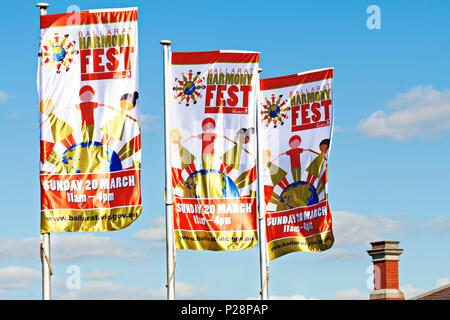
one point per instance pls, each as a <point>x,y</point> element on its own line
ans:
<point>61,132</point>
<point>130,148</point>
<point>232,158</point>
<point>186,159</point>
<point>315,166</point>
<point>58,53</point>
<point>87,107</point>
<point>113,129</point>
<point>246,178</point>
<point>208,137</point>
<point>323,181</point>
<point>294,155</point>
<point>189,88</point>
<point>277,177</point>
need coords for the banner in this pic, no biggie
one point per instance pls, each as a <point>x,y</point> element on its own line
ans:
<point>89,120</point>
<point>213,149</point>
<point>297,115</point>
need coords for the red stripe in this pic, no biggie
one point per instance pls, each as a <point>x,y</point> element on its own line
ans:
<point>320,124</point>
<point>86,17</point>
<point>106,75</point>
<point>295,79</point>
<point>207,57</point>
<point>231,110</point>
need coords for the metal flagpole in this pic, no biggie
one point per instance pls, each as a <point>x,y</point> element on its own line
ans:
<point>168,195</point>
<point>45,237</point>
<point>264,266</point>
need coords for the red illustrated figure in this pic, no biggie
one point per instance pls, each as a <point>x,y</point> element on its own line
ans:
<point>87,107</point>
<point>294,154</point>
<point>208,137</point>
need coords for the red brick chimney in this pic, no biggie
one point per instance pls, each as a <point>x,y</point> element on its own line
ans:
<point>385,257</point>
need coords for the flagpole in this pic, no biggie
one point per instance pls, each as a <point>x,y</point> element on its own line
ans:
<point>264,266</point>
<point>45,237</point>
<point>168,196</point>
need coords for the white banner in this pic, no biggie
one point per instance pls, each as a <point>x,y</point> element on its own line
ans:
<point>88,92</point>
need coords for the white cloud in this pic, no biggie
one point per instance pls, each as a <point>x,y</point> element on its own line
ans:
<point>22,249</point>
<point>420,112</point>
<point>184,290</point>
<point>353,232</point>
<point>354,229</point>
<point>410,292</point>
<point>69,247</point>
<point>78,245</point>
<point>14,116</point>
<point>3,96</point>
<point>337,253</point>
<point>439,224</point>
<point>108,290</point>
<point>148,122</point>
<point>351,294</point>
<point>101,290</point>
<point>99,275</point>
<point>14,277</point>
<point>155,233</point>
<point>441,282</point>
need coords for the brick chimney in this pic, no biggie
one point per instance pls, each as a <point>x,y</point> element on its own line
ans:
<point>385,257</point>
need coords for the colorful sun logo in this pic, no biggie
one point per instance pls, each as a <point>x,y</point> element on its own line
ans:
<point>188,88</point>
<point>58,53</point>
<point>274,110</point>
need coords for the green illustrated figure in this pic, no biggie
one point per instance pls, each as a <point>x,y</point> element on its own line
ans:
<point>61,132</point>
<point>113,129</point>
<point>232,158</point>
<point>316,165</point>
<point>277,177</point>
<point>323,181</point>
<point>186,158</point>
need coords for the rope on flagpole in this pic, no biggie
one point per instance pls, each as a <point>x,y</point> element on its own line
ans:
<point>173,272</point>
<point>44,255</point>
<point>265,284</point>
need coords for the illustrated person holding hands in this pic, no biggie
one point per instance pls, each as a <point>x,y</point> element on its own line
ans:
<point>294,155</point>
<point>113,129</point>
<point>232,158</point>
<point>86,107</point>
<point>316,165</point>
<point>208,137</point>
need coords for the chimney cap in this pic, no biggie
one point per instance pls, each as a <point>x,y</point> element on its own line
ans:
<point>385,250</point>
<point>388,244</point>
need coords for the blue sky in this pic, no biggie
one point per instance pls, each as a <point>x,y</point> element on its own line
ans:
<point>388,170</point>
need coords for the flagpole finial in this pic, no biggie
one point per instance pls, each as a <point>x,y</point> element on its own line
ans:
<point>260,70</point>
<point>165,42</point>
<point>43,7</point>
